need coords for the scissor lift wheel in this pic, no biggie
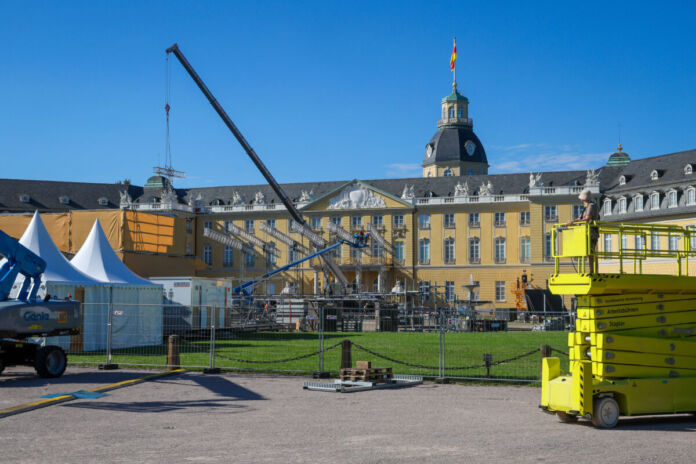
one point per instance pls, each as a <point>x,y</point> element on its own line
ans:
<point>606,412</point>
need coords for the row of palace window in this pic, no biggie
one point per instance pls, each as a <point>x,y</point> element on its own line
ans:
<point>425,288</point>
<point>639,242</point>
<point>672,201</point>
<point>500,251</point>
<point>356,222</point>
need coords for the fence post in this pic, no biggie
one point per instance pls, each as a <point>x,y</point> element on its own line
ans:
<point>346,361</point>
<point>321,373</point>
<point>109,340</point>
<point>173,361</point>
<point>212,369</point>
<point>441,364</point>
<point>545,351</point>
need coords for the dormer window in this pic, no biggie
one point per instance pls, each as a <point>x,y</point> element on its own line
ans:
<point>64,200</point>
<point>654,175</point>
<point>672,199</point>
<point>607,207</point>
<point>688,169</point>
<point>24,198</point>
<point>103,201</point>
<point>622,180</point>
<point>691,196</point>
<point>638,203</point>
<point>622,205</point>
<point>655,200</point>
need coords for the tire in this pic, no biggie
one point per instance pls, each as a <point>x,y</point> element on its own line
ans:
<point>566,418</point>
<point>50,362</point>
<point>606,413</point>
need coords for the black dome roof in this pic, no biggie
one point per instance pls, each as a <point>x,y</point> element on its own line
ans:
<point>449,144</point>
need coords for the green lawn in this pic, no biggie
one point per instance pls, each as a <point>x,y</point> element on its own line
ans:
<point>421,350</point>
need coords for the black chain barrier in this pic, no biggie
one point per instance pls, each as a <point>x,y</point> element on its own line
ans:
<point>559,351</point>
<point>457,368</point>
<point>275,361</point>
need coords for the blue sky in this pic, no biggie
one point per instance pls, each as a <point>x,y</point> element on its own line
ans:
<point>337,90</point>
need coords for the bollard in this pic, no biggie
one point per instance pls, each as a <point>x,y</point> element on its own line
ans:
<point>346,361</point>
<point>488,360</point>
<point>173,361</point>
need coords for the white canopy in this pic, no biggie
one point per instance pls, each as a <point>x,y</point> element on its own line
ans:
<point>97,259</point>
<point>58,269</point>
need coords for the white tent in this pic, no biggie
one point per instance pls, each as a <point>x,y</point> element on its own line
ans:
<point>136,304</point>
<point>58,269</point>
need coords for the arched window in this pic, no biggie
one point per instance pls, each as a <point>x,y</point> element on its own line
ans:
<point>448,172</point>
<point>691,196</point>
<point>655,200</point>
<point>607,207</point>
<point>622,180</point>
<point>672,199</point>
<point>688,169</point>
<point>461,113</point>
<point>638,203</point>
<point>449,251</point>
<point>474,250</point>
<point>424,251</point>
<point>500,250</point>
<point>622,205</point>
<point>451,112</point>
<point>654,175</point>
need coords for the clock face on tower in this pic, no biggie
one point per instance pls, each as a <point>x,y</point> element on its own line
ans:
<point>429,150</point>
<point>470,147</point>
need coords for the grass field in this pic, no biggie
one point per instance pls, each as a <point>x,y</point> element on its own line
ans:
<point>421,350</point>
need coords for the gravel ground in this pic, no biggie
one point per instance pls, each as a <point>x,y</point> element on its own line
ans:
<point>263,419</point>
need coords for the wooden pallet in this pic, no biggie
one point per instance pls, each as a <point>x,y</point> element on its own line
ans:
<point>372,374</point>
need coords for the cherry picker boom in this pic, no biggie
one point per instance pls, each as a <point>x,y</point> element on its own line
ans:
<point>294,213</point>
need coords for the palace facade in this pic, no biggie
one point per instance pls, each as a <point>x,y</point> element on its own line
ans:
<point>455,224</point>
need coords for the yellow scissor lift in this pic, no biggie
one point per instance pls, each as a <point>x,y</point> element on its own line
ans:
<point>634,348</point>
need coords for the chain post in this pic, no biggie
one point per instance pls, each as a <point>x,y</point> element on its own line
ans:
<point>212,369</point>
<point>321,373</point>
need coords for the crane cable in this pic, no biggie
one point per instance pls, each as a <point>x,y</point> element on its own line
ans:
<point>167,107</point>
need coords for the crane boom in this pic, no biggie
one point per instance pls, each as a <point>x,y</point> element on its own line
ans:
<point>237,133</point>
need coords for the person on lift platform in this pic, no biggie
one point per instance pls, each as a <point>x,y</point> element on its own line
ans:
<point>360,238</point>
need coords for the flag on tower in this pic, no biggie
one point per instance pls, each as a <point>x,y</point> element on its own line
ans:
<point>453,58</point>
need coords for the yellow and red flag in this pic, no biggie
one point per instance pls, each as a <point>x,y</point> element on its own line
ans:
<point>453,58</point>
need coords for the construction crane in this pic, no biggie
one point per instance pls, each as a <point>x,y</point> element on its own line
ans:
<point>292,210</point>
<point>25,317</point>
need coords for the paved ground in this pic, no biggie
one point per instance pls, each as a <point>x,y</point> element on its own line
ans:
<point>259,419</point>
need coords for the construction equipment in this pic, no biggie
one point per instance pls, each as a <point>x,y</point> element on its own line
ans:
<point>300,223</point>
<point>634,350</point>
<point>25,317</point>
<point>246,288</point>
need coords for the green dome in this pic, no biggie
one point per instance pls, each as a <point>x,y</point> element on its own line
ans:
<point>619,158</point>
<point>455,96</point>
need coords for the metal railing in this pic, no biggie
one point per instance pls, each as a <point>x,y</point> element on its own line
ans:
<point>293,334</point>
<point>635,245</point>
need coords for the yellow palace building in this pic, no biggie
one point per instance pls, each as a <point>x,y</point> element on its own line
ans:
<point>454,224</point>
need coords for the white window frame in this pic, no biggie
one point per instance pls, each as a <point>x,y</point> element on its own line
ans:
<point>399,251</point>
<point>525,218</point>
<point>398,221</point>
<point>500,291</point>
<point>672,199</point>
<point>499,219</point>
<point>424,221</point>
<point>550,213</point>
<point>525,249</point>
<point>477,222</point>
<point>655,200</point>
<point>474,250</point>
<point>449,290</point>
<point>638,203</point>
<point>228,256</point>
<point>622,180</point>
<point>450,251</point>
<point>424,251</point>
<point>606,210</point>
<point>654,175</point>
<point>208,254</point>
<point>208,225</point>
<point>249,225</point>
<point>690,196</point>
<point>607,243</point>
<point>622,205</point>
<point>688,169</point>
<point>673,242</point>
<point>500,250</point>
<point>316,222</point>
<point>271,223</point>
<point>448,172</point>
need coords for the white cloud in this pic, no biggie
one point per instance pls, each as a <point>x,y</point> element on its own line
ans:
<point>404,170</point>
<point>530,157</point>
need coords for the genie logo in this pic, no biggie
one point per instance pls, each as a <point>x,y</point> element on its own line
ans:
<point>32,316</point>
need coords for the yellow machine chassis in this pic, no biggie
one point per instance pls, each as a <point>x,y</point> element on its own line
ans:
<point>635,344</point>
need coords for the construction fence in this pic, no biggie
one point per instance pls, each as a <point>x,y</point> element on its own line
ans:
<point>431,342</point>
